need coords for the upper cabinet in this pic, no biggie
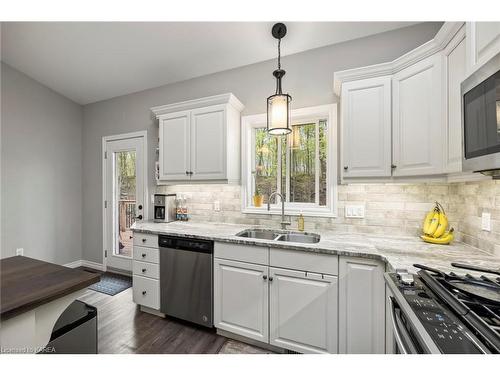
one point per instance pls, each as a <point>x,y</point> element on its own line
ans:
<point>483,42</point>
<point>194,138</point>
<point>417,118</point>
<point>366,120</point>
<point>402,118</point>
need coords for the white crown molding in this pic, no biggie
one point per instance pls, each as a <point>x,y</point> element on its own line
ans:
<point>440,41</point>
<point>227,98</point>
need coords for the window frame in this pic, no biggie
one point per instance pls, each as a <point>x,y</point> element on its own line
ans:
<point>298,116</point>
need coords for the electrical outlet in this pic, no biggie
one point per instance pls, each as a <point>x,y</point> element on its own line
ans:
<point>20,251</point>
<point>217,206</point>
<point>486,221</point>
<point>355,211</point>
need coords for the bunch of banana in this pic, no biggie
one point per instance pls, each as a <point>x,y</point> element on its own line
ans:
<point>435,225</point>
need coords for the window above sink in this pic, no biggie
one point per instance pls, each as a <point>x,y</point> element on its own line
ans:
<point>308,157</point>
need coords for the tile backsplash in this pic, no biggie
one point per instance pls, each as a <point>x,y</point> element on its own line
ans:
<point>389,208</point>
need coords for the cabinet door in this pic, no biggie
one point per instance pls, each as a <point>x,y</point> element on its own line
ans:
<point>241,295</point>
<point>418,121</point>
<point>484,38</point>
<point>208,143</point>
<point>456,68</point>
<point>366,127</point>
<point>303,311</point>
<point>361,306</point>
<point>174,146</point>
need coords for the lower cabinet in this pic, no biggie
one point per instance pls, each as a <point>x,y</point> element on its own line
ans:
<point>303,311</point>
<point>361,306</point>
<point>241,296</point>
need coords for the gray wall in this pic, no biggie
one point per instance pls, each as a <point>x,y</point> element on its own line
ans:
<point>309,80</point>
<point>41,158</point>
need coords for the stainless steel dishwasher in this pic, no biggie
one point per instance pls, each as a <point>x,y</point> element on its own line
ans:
<point>186,282</point>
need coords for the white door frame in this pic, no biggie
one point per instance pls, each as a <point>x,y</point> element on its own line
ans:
<point>138,134</point>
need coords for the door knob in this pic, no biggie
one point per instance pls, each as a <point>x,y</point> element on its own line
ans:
<point>139,217</point>
<point>140,207</point>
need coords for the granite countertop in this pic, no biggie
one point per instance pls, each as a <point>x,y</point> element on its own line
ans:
<point>396,251</point>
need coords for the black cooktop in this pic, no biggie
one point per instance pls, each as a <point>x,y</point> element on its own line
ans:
<point>461,313</point>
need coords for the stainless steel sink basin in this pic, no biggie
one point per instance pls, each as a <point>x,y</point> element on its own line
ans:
<point>276,235</point>
<point>263,234</point>
<point>299,237</point>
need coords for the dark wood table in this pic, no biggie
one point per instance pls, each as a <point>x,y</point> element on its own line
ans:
<point>27,283</point>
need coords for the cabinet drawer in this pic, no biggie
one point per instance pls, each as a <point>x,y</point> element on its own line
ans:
<point>145,239</point>
<point>146,269</point>
<point>146,291</point>
<point>242,253</point>
<point>146,254</point>
<point>304,261</point>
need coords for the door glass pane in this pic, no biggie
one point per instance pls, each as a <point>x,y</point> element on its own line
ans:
<point>124,201</point>
<point>303,163</point>
<point>323,144</point>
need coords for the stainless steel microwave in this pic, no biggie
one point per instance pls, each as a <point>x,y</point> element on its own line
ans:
<point>481,119</point>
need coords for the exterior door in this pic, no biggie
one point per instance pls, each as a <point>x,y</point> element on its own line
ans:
<point>174,146</point>
<point>366,128</point>
<point>303,311</point>
<point>241,295</point>
<point>125,198</point>
<point>208,143</point>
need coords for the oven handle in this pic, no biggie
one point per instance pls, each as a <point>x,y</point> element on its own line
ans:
<point>395,328</point>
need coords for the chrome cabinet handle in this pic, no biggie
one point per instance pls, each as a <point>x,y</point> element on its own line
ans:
<point>395,328</point>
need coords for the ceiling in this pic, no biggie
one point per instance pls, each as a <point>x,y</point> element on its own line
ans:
<point>92,61</point>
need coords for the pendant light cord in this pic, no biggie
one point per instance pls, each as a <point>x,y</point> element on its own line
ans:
<point>279,53</point>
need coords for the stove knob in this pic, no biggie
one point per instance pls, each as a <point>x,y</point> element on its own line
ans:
<point>407,279</point>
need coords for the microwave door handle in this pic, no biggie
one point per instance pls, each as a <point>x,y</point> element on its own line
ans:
<point>395,327</point>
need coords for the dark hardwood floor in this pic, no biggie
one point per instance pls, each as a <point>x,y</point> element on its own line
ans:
<point>123,328</point>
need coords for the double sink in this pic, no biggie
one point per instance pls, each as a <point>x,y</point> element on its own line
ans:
<point>282,236</point>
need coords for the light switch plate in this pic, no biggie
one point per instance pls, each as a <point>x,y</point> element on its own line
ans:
<point>486,221</point>
<point>355,211</point>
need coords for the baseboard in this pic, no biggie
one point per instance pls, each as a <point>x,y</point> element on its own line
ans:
<point>85,263</point>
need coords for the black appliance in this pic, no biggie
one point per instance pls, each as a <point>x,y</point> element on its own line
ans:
<point>186,286</point>
<point>437,312</point>
<point>75,332</point>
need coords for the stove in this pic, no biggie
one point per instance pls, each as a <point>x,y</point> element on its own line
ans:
<point>437,312</point>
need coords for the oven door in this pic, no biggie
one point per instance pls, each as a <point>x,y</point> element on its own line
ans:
<point>405,340</point>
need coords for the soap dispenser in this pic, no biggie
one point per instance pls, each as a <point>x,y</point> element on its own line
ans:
<point>300,222</point>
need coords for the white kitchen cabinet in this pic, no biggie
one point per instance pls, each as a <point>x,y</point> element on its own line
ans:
<point>303,311</point>
<point>455,54</point>
<point>199,140</point>
<point>361,306</point>
<point>174,156</point>
<point>418,118</point>
<point>241,299</point>
<point>366,127</point>
<point>483,40</point>
<point>208,143</point>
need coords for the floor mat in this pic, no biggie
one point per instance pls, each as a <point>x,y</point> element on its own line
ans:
<point>112,283</point>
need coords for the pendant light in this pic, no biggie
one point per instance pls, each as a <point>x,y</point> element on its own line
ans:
<point>278,105</point>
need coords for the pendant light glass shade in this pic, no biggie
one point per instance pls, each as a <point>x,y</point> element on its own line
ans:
<point>278,114</point>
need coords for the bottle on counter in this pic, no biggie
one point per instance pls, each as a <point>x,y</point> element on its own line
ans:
<point>300,222</point>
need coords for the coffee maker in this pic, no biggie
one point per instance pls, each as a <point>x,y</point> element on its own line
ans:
<point>164,208</point>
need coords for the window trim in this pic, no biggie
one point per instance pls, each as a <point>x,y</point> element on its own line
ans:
<point>329,112</point>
